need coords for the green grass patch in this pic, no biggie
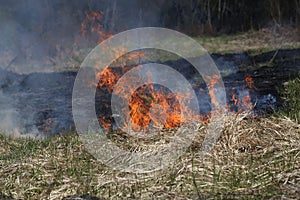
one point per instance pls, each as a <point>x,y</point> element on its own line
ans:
<point>291,96</point>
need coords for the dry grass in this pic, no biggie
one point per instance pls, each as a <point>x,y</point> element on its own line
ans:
<point>255,42</point>
<point>253,159</point>
<point>263,40</point>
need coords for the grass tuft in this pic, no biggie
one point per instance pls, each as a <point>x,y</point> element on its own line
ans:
<point>253,159</point>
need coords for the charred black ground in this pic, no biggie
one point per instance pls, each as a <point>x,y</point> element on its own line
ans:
<point>41,103</point>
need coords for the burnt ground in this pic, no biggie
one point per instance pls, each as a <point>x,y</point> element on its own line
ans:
<point>269,70</point>
<point>41,103</point>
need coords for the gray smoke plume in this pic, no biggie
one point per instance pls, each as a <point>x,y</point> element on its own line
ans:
<point>45,36</point>
<point>12,121</point>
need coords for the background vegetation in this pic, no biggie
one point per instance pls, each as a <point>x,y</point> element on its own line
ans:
<point>254,159</point>
<point>226,16</point>
<point>191,16</point>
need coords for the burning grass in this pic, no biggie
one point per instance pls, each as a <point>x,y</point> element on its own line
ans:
<point>253,159</point>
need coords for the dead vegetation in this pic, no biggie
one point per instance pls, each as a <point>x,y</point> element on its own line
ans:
<point>266,39</point>
<point>253,159</point>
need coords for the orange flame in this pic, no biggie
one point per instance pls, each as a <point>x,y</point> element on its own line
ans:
<point>243,100</point>
<point>149,105</point>
<point>93,21</point>
<point>234,98</point>
<point>213,80</point>
<point>249,82</point>
<point>247,104</point>
<point>170,113</point>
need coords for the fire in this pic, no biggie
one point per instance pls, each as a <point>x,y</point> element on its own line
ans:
<point>92,23</point>
<point>213,80</point>
<point>249,82</point>
<point>241,99</point>
<point>103,121</point>
<point>150,104</point>
<point>165,107</point>
<point>108,78</point>
<point>247,104</point>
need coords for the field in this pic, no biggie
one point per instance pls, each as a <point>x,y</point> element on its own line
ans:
<point>255,158</point>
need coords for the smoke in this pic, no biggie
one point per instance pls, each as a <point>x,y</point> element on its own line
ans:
<point>45,36</point>
<point>11,121</point>
<point>8,115</point>
<point>37,35</point>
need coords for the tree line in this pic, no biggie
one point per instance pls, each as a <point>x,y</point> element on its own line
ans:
<point>190,16</point>
<point>229,16</point>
